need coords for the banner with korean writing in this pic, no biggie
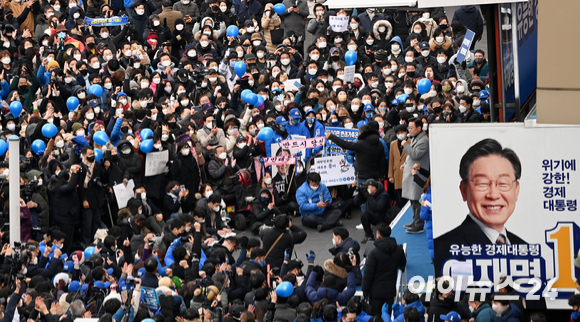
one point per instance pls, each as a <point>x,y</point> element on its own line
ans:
<point>505,200</point>
<point>334,170</point>
<point>156,163</point>
<point>279,160</point>
<point>124,193</point>
<point>150,299</point>
<point>101,22</point>
<point>308,143</point>
<point>343,133</point>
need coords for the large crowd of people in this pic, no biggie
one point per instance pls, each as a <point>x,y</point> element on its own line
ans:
<point>177,251</point>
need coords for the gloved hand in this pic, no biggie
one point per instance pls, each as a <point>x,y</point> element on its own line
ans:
<point>177,241</point>
<point>396,308</point>
<point>348,268</point>
<point>385,312</point>
<point>311,257</point>
<point>287,255</point>
<point>463,64</point>
<point>243,241</point>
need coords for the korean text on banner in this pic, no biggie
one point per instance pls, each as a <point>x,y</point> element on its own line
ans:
<point>334,170</point>
<point>467,40</point>
<point>101,22</point>
<point>308,143</point>
<point>338,24</point>
<point>150,299</point>
<point>123,194</point>
<point>156,163</point>
<point>279,160</point>
<point>345,134</point>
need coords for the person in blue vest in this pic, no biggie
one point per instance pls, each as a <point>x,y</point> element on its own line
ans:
<point>369,113</point>
<point>410,300</point>
<point>297,127</point>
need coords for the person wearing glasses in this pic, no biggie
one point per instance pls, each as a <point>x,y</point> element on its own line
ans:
<point>490,187</point>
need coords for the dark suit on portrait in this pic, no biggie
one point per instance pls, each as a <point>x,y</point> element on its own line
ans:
<point>467,233</point>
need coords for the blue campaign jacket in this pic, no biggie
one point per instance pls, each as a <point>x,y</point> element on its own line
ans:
<point>308,198</point>
<point>426,216</point>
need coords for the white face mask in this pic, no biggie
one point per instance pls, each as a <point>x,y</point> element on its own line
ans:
<point>250,29</point>
<point>242,145</point>
<point>260,55</point>
<point>184,102</point>
<point>76,15</point>
<point>164,137</point>
<point>143,104</point>
<point>395,47</point>
<point>166,63</point>
<point>348,125</point>
<point>11,126</point>
<point>240,54</point>
<point>382,29</point>
<point>408,91</point>
<point>322,45</point>
<point>81,133</point>
<point>156,80</point>
<point>140,12</point>
<point>370,42</point>
<point>354,108</point>
<point>78,57</point>
<point>223,155</point>
<point>439,39</point>
<point>268,181</point>
<point>314,188</point>
<point>158,146</point>
<point>260,126</point>
<point>212,79</point>
<point>441,60</point>
<point>409,59</point>
<point>156,23</point>
<point>185,152</point>
<point>123,101</point>
<point>60,144</point>
<point>275,74</point>
<point>462,108</point>
<point>6,61</point>
<point>136,65</point>
<point>104,35</point>
<point>207,194</point>
<point>333,242</point>
<point>352,47</point>
<point>314,57</point>
<point>401,136</point>
<point>216,208</point>
<point>68,80</point>
<point>81,95</point>
<point>251,82</point>
<point>90,116</point>
<point>56,8</point>
<point>353,25</point>
<point>97,110</point>
<point>179,27</point>
<point>108,85</point>
<point>312,71</point>
<point>425,53</point>
<point>285,62</point>
<point>204,43</point>
<point>223,9</point>
<point>337,40</point>
<point>460,89</point>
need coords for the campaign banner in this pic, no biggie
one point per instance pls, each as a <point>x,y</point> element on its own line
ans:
<point>505,207</point>
<point>338,24</point>
<point>156,163</point>
<point>465,45</point>
<point>123,194</point>
<point>279,160</point>
<point>334,170</point>
<point>101,22</point>
<point>307,143</point>
<point>343,133</point>
<point>150,299</point>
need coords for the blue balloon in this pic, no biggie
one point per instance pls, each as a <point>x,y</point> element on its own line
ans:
<point>245,94</point>
<point>96,89</point>
<point>3,147</point>
<point>265,134</point>
<point>72,103</point>
<point>350,57</point>
<point>98,155</point>
<point>251,99</point>
<point>240,68</point>
<point>146,146</point>
<point>259,100</point>
<point>49,130</point>
<point>279,8</point>
<point>89,252</point>
<point>233,31</point>
<point>424,86</point>
<point>146,133</point>
<point>402,98</point>
<point>100,138</point>
<point>38,147</point>
<point>285,289</point>
<point>16,108</point>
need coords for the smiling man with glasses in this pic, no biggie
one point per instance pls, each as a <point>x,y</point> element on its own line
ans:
<point>490,186</point>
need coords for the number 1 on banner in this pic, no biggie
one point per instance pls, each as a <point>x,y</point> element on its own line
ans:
<point>562,239</point>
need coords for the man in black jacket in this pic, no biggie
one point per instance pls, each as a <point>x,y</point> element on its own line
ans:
<point>378,203</point>
<point>381,268</point>
<point>468,114</point>
<point>92,195</point>
<point>277,239</point>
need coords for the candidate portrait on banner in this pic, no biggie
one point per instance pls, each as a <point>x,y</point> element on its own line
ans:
<point>490,187</point>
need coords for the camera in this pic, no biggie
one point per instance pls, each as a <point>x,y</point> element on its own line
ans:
<point>350,252</point>
<point>99,184</point>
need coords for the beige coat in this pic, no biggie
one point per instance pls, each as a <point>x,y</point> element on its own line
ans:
<point>396,160</point>
<point>171,15</point>
<point>270,24</point>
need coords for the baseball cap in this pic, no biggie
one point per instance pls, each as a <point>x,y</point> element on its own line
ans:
<point>451,316</point>
<point>369,107</point>
<point>68,266</point>
<point>250,56</point>
<point>141,272</point>
<point>280,120</point>
<point>295,113</point>
<point>424,45</point>
<point>293,264</point>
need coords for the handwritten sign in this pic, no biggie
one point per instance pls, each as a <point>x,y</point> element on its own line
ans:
<point>303,143</point>
<point>280,160</point>
<point>123,194</point>
<point>334,170</point>
<point>156,163</point>
<point>338,24</point>
<point>349,72</point>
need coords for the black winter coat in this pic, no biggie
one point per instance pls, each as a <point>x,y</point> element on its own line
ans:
<point>381,268</point>
<point>377,204</point>
<point>295,235</point>
<point>261,214</point>
<point>186,171</point>
<point>368,150</point>
<point>65,209</point>
<point>130,164</point>
<point>94,194</point>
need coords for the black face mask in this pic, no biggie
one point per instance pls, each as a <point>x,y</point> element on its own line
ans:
<point>437,109</point>
<point>125,129</point>
<point>443,26</point>
<point>91,45</point>
<point>84,72</point>
<point>478,60</point>
<point>172,125</point>
<point>9,17</point>
<point>411,74</point>
<point>22,88</point>
<point>335,58</point>
<point>91,158</point>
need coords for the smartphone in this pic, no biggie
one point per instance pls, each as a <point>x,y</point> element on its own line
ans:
<point>213,123</point>
<point>182,187</point>
<point>327,201</point>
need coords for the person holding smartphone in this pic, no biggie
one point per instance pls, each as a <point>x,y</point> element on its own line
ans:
<point>315,202</point>
<point>210,136</point>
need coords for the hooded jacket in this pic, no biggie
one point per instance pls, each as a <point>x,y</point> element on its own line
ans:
<point>65,209</point>
<point>131,163</point>
<point>261,214</point>
<point>382,265</point>
<point>368,149</point>
<point>400,58</point>
<point>323,292</point>
<point>382,39</point>
<point>377,204</point>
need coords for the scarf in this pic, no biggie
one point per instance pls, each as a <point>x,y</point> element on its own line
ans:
<point>214,141</point>
<point>89,176</point>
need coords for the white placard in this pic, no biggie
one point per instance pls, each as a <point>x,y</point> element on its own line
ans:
<point>156,163</point>
<point>292,84</point>
<point>349,72</point>
<point>338,24</point>
<point>334,170</point>
<point>123,194</point>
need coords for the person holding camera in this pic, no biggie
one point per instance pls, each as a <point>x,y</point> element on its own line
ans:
<point>378,204</point>
<point>92,183</point>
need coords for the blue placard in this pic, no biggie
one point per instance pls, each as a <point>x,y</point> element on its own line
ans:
<point>343,133</point>
<point>465,45</point>
<point>101,22</point>
<point>150,299</point>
